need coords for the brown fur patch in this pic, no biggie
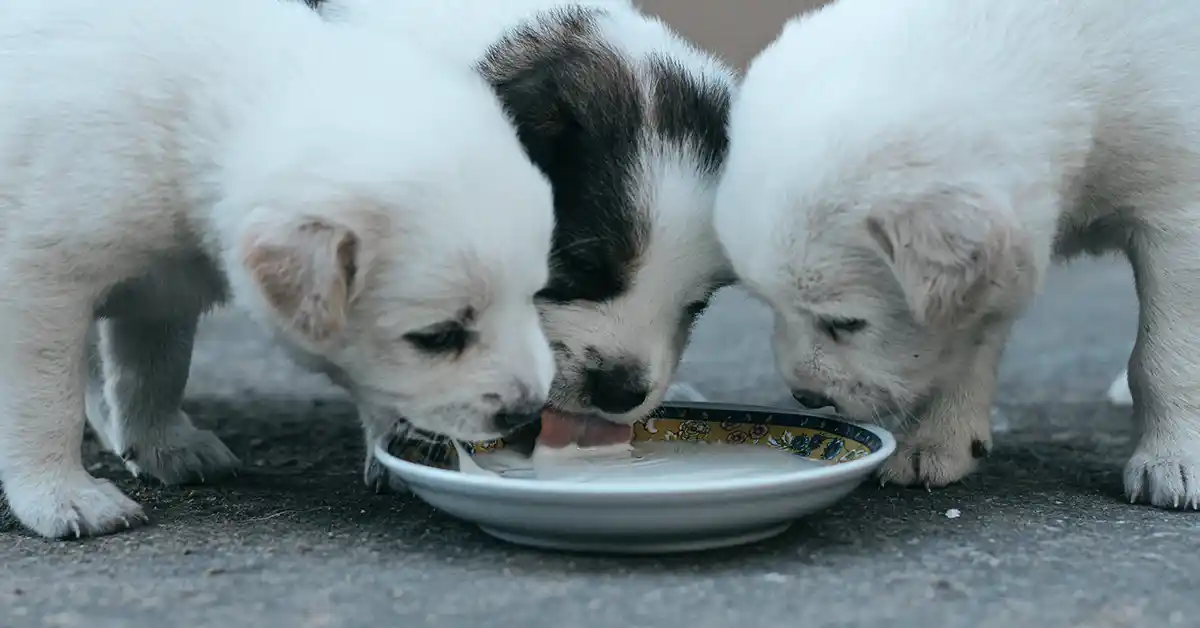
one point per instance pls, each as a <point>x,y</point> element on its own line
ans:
<point>306,275</point>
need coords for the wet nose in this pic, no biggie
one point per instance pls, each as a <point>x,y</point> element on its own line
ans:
<point>616,389</point>
<point>812,400</point>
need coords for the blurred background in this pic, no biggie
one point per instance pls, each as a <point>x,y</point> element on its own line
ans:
<point>736,30</point>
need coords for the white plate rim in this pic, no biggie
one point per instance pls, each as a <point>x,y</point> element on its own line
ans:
<point>528,490</point>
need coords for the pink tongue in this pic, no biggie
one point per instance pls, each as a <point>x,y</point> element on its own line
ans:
<point>560,429</point>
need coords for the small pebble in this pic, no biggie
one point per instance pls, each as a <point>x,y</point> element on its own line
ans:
<point>953,513</point>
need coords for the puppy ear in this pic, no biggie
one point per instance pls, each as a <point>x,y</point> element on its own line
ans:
<point>957,255</point>
<point>556,85</point>
<point>308,272</point>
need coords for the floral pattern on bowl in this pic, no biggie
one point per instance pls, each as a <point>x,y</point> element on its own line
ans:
<point>817,437</point>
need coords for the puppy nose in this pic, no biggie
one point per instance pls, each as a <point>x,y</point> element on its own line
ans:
<point>812,400</point>
<point>616,389</point>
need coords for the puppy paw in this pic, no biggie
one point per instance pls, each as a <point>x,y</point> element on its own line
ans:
<point>180,454</point>
<point>931,462</point>
<point>378,479</point>
<point>72,507</point>
<point>1163,477</point>
<point>1118,392</point>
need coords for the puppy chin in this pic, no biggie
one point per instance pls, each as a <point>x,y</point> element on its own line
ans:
<point>855,410</point>
<point>459,421</point>
<point>887,410</point>
<point>462,427</point>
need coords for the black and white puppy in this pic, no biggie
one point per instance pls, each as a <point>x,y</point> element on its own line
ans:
<point>627,120</point>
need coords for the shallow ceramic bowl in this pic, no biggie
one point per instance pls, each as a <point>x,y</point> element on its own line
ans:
<point>659,516</point>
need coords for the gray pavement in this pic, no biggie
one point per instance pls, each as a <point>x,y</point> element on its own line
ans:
<point>1044,537</point>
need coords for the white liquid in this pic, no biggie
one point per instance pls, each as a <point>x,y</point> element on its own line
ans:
<point>644,462</point>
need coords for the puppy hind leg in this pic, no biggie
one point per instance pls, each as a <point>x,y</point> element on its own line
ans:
<point>42,372</point>
<point>146,366</point>
<point>1164,371</point>
<point>947,442</point>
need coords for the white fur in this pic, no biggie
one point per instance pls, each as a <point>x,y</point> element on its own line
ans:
<point>163,156</point>
<point>1118,392</point>
<point>683,254</point>
<point>918,165</point>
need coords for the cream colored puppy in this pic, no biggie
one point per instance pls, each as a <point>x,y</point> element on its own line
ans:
<point>901,174</point>
<point>159,157</point>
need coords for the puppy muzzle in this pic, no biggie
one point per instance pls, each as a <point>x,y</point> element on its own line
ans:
<point>813,400</point>
<point>506,422</point>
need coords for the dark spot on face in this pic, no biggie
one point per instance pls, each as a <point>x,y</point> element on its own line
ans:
<point>616,386</point>
<point>691,111</point>
<point>693,311</point>
<point>560,347</point>
<point>578,113</point>
<point>839,329</point>
<point>613,383</point>
<point>979,449</point>
<point>447,337</point>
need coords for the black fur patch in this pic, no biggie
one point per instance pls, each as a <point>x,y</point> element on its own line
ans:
<point>691,112</point>
<point>578,114</point>
<point>979,449</point>
<point>583,119</point>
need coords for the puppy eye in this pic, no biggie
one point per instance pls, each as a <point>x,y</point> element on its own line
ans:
<point>837,327</point>
<point>442,338</point>
<point>695,309</point>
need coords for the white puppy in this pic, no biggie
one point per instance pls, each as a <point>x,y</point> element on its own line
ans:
<point>158,157</point>
<point>628,122</point>
<point>901,174</point>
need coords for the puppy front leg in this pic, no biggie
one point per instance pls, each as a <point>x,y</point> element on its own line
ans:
<point>377,424</point>
<point>42,371</point>
<point>1164,372</point>
<point>145,371</point>
<point>945,444</point>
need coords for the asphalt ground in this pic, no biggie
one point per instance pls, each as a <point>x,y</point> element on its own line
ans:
<point>1044,536</point>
